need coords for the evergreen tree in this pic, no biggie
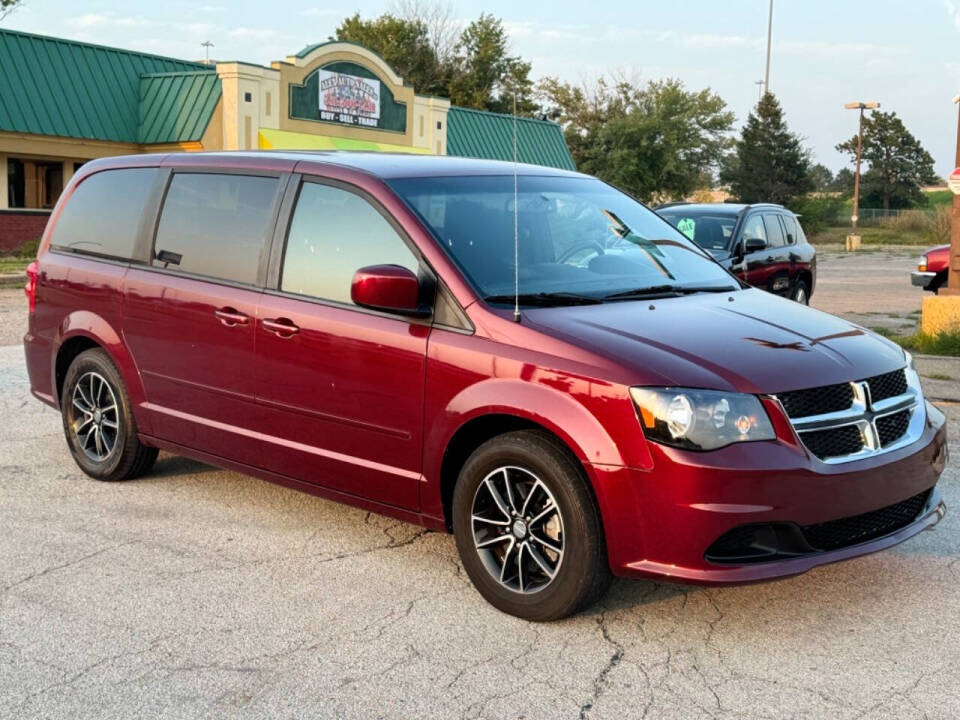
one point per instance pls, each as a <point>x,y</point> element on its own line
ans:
<point>769,163</point>
<point>898,165</point>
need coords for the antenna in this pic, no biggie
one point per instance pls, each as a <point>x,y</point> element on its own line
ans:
<point>207,45</point>
<point>516,218</point>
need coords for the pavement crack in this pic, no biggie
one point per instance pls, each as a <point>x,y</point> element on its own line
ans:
<point>600,681</point>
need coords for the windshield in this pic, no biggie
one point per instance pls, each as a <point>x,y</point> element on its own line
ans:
<point>579,239</point>
<point>710,230</point>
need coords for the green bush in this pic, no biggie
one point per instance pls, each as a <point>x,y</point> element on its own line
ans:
<point>27,250</point>
<point>818,212</point>
<point>946,343</point>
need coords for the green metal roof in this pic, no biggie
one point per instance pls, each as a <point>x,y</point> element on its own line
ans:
<point>51,86</point>
<point>176,107</point>
<point>478,134</point>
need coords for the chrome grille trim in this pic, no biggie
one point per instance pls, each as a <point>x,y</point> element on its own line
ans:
<point>863,414</point>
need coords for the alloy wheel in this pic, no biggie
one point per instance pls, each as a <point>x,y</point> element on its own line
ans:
<point>94,416</point>
<point>517,529</point>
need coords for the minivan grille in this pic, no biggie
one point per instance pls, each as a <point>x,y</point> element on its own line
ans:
<point>846,421</point>
<point>891,428</point>
<point>887,386</point>
<point>762,542</point>
<point>835,442</point>
<point>861,528</point>
<point>817,401</point>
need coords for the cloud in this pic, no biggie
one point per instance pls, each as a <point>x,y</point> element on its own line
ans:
<point>953,12</point>
<point>707,41</point>
<point>254,33</point>
<point>105,20</point>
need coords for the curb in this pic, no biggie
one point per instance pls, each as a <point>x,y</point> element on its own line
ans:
<point>13,280</point>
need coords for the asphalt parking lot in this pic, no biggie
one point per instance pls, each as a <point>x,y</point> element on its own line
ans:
<point>198,593</point>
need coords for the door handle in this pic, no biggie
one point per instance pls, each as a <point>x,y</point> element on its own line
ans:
<point>282,327</point>
<point>231,317</point>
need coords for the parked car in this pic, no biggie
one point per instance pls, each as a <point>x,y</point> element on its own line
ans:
<point>762,244</point>
<point>597,397</point>
<point>931,272</point>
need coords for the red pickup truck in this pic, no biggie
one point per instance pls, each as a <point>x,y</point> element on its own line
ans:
<point>931,272</point>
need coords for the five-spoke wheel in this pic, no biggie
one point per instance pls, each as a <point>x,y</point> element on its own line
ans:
<point>517,529</point>
<point>98,422</point>
<point>527,527</point>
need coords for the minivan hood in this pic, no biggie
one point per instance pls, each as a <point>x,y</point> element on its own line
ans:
<point>750,341</point>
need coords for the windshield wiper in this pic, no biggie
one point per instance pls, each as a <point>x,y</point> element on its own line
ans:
<point>546,299</point>
<point>666,291</point>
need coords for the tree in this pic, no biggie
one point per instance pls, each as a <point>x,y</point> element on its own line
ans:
<point>843,181</point>
<point>899,166</point>
<point>403,43</point>
<point>821,177</point>
<point>769,163</point>
<point>657,141</point>
<point>485,76</point>
<point>8,6</point>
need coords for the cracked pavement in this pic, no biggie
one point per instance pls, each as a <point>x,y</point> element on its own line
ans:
<point>196,593</point>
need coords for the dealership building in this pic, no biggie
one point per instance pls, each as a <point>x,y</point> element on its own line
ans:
<point>63,103</point>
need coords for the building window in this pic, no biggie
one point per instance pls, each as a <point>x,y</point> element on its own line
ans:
<point>248,97</point>
<point>266,104</point>
<point>16,184</point>
<point>439,125</point>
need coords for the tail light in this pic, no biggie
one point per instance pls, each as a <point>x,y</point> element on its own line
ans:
<point>30,289</point>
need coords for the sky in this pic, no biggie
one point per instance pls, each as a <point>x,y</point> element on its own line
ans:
<point>905,55</point>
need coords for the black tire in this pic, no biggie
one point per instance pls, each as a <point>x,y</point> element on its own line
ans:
<point>938,282</point>
<point>125,457</point>
<point>801,293</point>
<point>582,574</point>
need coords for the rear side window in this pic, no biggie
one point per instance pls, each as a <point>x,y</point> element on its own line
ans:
<point>774,231</point>
<point>102,216</point>
<point>753,229</point>
<point>215,225</point>
<point>333,234</point>
<point>790,225</point>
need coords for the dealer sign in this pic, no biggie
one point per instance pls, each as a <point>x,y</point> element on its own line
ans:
<point>349,99</point>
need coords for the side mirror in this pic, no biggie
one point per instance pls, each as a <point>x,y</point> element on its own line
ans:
<point>389,288</point>
<point>754,245</point>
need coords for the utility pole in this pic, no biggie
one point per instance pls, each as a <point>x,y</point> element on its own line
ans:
<point>953,270</point>
<point>861,106</point>
<point>766,77</point>
<point>207,45</point>
<point>760,84</point>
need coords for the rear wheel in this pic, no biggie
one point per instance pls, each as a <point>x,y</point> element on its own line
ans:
<point>801,293</point>
<point>527,528</point>
<point>98,423</point>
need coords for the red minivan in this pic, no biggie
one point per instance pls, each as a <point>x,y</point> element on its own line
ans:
<point>525,357</point>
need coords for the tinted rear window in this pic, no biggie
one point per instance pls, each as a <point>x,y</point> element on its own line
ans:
<point>102,216</point>
<point>217,224</point>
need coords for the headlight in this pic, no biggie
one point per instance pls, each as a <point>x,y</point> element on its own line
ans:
<point>700,419</point>
<point>913,377</point>
<point>922,263</point>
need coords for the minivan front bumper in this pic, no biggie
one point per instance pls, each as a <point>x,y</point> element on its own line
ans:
<point>663,523</point>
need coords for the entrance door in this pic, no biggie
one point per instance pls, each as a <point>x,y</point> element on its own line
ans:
<point>342,386</point>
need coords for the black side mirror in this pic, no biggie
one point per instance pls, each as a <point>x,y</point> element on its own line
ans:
<point>754,245</point>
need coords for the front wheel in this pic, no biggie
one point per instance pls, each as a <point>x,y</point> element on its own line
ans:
<point>528,529</point>
<point>98,422</point>
<point>801,293</point>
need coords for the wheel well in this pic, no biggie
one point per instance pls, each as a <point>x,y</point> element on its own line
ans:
<point>807,277</point>
<point>65,355</point>
<point>471,436</point>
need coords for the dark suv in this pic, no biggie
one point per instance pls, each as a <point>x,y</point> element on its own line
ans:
<point>533,361</point>
<point>762,244</point>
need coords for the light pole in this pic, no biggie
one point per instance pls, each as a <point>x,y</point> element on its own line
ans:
<point>207,45</point>
<point>861,106</point>
<point>759,84</point>
<point>766,76</point>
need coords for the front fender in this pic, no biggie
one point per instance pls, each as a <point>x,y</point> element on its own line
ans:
<point>595,420</point>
